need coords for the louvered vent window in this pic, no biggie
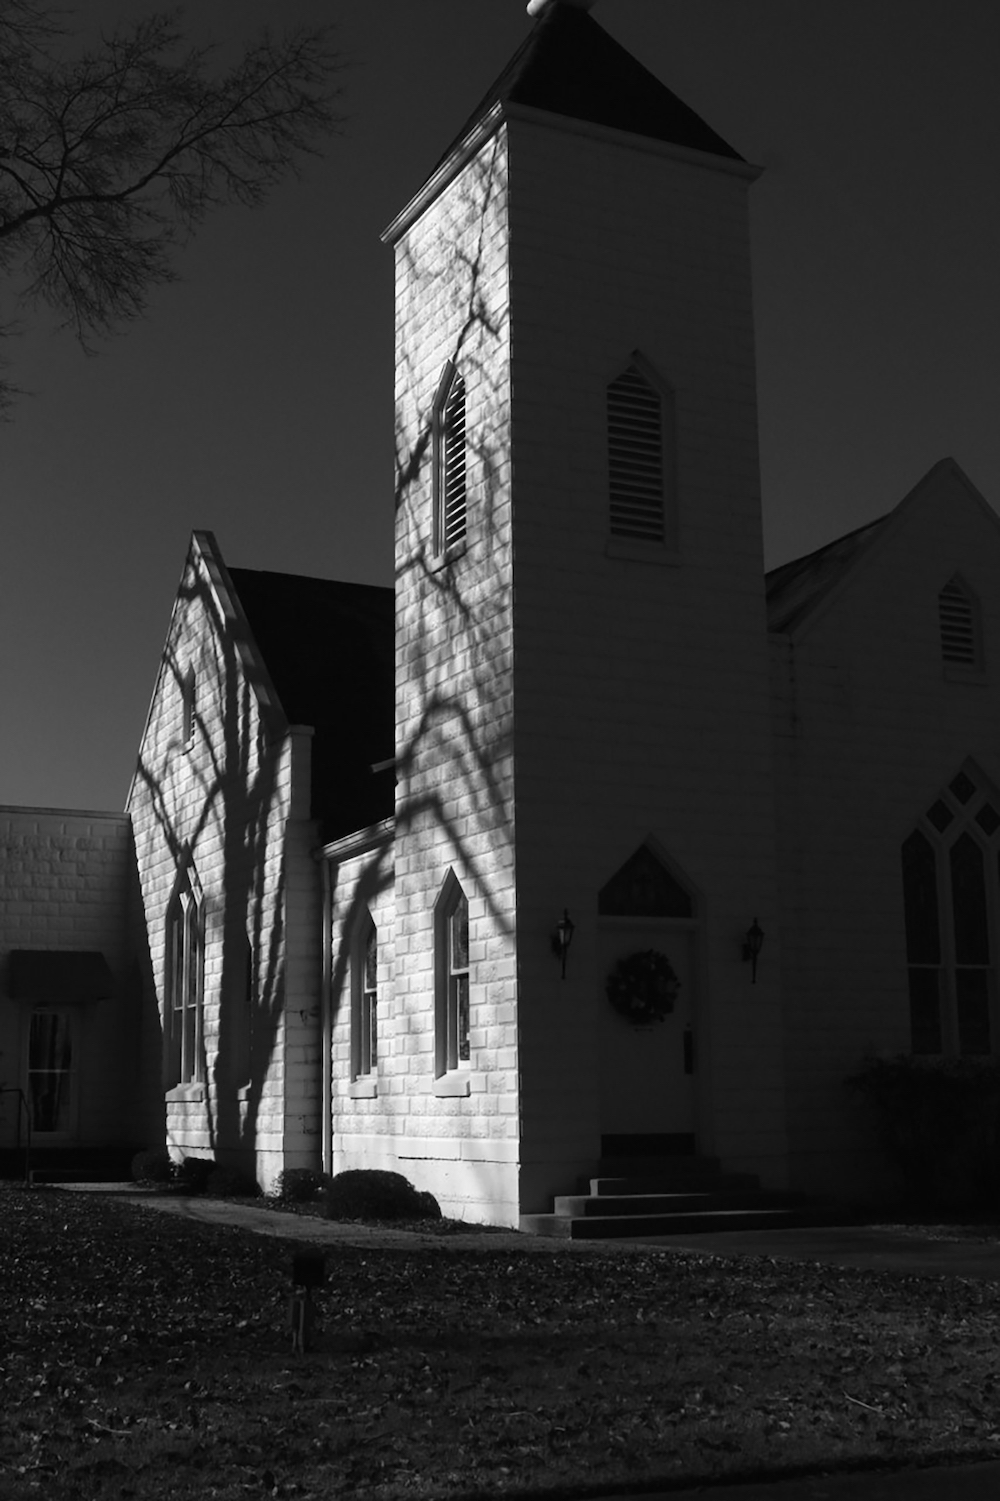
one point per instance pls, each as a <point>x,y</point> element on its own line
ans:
<point>451,467</point>
<point>635,457</point>
<point>957,616</point>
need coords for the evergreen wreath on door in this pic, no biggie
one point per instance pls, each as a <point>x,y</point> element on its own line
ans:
<point>643,988</point>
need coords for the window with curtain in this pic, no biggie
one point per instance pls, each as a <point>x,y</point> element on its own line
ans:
<point>51,1067</point>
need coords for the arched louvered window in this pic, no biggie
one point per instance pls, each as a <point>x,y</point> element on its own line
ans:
<point>640,456</point>
<point>958,617</point>
<point>450,499</point>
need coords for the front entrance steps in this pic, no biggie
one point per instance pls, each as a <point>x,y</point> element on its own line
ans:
<point>673,1196</point>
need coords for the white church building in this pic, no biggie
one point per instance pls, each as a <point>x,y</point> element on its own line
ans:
<point>588,840</point>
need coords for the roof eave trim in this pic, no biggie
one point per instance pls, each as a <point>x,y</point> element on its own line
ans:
<point>359,842</point>
<point>734,166</point>
<point>445,173</point>
<point>504,110</point>
<point>813,610</point>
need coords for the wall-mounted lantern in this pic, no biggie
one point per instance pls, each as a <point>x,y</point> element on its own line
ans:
<point>562,938</point>
<point>752,945</point>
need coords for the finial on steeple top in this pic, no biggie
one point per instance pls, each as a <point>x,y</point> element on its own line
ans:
<point>536,7</point>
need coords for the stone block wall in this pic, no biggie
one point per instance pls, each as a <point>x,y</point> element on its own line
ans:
<point>454,809</point>
<point>66,881</point>
<point>221,788</point>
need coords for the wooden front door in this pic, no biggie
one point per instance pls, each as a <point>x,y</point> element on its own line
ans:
<point>647,1078</point>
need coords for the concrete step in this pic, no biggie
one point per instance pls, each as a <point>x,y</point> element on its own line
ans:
<point>629,1226</point>
<point>642,1202</point>
<point>656,1182</point>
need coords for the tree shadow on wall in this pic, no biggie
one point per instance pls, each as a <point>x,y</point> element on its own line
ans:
<point>218,791</point>
<point>453,641</point>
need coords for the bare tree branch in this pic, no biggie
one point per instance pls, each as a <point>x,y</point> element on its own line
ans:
<point>110,159</point>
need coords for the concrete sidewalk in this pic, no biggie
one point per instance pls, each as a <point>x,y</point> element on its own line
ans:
<point>901,1249</point>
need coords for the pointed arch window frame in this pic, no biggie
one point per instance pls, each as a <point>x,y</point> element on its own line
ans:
<point>453,991</point>
<point>449,432</point>
<point>969,666</point>
<point>940,941</point>
<point>184,988</point>
<point>364,1008</point>
<point>666,548</point>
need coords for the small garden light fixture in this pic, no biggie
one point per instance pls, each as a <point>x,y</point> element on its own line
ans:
<point>562,938</point>
<point>752,945</point>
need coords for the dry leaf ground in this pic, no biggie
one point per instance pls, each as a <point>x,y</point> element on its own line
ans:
<point>144,1356</point>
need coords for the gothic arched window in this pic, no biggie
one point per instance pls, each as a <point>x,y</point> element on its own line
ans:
<point>951,901</point>
<point>184,981</point>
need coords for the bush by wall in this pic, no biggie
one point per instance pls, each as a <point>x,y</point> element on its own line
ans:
<point>152,1166</point>
<point>298,1185</point>
<point>374,1194</point>
<point>938,1122</point>
<point>194,1173</point>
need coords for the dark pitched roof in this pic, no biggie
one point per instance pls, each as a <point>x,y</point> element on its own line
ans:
<point>329,648</point>
<point>797,587</point>
<point>568,65</point>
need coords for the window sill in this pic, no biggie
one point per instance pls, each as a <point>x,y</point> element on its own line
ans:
<point>185,1094</point>
<point>642,552</point>
<point>966,675</point>
<point>363,1089</point>
<point>453,1085</point>
<point>445,560</point>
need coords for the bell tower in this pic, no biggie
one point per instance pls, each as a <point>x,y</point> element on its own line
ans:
<point>582,674</point>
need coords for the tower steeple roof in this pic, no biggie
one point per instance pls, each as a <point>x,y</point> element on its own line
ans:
<point>569,65</point>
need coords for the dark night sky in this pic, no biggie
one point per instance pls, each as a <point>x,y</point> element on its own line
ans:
<point>255,399</point>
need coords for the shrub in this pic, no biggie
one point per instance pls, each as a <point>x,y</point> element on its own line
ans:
<point>194,1173</point>
<point>373,1194</point>
<point>152,1166</point>
<point>297,1185</point>
<point>938,1121</point>
<point>226,1182</point>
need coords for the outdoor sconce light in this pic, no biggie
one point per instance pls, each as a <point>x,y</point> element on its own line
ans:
<point>752,945</point>
<point>562,938</point>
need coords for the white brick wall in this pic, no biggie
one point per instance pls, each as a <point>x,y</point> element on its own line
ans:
<point>235,802</point>
<point>555,705</point>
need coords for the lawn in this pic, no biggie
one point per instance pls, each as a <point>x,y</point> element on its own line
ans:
<point>145,1356</point>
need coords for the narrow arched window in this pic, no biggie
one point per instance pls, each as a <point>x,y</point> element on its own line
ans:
<point>453,975</point>
<point>364,1040</point>
<point>184,984</point>
<point>640,423</point>
<point>450,490</point>
<point>958,618</point>
<point>189,687</point>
